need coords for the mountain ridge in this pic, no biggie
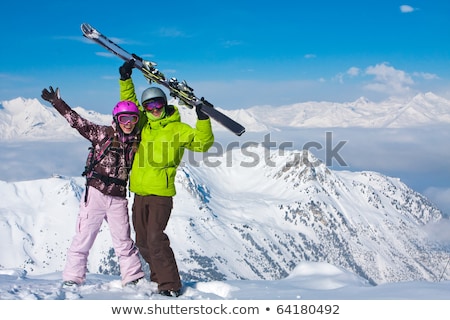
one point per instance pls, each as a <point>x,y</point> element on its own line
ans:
<point>247,222</point>
<point>28,119</point>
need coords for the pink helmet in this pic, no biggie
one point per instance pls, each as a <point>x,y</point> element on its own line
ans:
<point>125,107</point>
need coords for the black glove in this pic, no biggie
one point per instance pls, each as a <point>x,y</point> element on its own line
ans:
<point>200,114</point>
<point>126,69</point>
<point>50,96</point>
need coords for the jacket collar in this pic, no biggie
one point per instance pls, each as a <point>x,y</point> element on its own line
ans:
<point>172,115</point>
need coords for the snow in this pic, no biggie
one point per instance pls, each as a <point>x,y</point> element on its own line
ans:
<point>308,281</point>
<point>318,286</point>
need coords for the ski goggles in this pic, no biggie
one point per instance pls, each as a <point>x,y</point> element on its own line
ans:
<point>154,104</point>
<point>127,118</point>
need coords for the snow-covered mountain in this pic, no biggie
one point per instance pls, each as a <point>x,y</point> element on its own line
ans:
<point>248,220</point>
<point>28,119</point>
<point>423,109</point>
<point>251,213</point>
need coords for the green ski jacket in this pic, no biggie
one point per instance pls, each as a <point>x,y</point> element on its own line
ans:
<point>162,146</point>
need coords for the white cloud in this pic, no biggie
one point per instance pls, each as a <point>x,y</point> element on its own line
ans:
<point>12,77</point>
<point>441,197</point>
<point>439,231</point>
<point>170,33</point>
<point>339,78</point>
<point>231,43</point>
<point>426,75</point>
<point>105,54</point>
<point>147,55</point>
<point>353,71</point>
<point>310,56</point>
<point>388,80</point>
<point>406,8</point>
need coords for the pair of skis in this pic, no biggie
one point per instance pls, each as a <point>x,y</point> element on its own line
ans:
<point>180,90</point>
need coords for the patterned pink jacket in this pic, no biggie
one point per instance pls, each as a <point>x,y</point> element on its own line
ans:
<point>110,174</point>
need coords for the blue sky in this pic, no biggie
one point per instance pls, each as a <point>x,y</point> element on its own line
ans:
<point>237,54</point>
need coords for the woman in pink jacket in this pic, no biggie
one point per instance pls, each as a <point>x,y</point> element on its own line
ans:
<point>107,170</point>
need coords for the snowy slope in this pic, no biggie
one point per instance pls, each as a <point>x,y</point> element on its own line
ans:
<point>246,222</point>
<point>28,119</point>
<point>308,281</point>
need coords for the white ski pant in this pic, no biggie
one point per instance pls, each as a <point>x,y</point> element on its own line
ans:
<point>114,210</point>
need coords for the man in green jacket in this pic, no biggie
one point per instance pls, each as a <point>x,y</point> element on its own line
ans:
<point>163,141</point>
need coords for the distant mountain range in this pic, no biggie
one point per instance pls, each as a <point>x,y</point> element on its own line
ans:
<point>421,110</point>
<point>28,119</point>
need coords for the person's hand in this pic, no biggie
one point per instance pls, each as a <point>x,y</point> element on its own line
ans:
<point>51,96</point>
<point>200,114</point>
<point>126,69</point>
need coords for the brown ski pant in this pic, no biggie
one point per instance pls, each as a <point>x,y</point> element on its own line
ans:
<point>150,217</point>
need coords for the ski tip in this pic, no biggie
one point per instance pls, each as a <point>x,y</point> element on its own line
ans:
<point>89,31</point>
<point>86,28</point>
